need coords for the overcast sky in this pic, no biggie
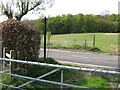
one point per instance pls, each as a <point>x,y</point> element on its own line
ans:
<point>77,6</point>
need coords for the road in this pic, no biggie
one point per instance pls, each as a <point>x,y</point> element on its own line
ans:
<point>84,58</point>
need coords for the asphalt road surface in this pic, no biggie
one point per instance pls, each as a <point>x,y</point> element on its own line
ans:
<point>84,58</point>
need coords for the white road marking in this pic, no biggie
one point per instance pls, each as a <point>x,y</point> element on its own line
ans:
<point>91,65</point>
<point>94,57</point>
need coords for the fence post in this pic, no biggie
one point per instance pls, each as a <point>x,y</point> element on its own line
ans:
<point>3,63</point>
<point>94,38</point>
<point>12,63</point>
<point>61,79</point>
<point>85,42</point>
<point>4,51</point>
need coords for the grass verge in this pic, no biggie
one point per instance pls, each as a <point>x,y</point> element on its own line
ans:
<point>89,48</point>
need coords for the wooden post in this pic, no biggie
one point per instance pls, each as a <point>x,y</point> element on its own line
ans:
<point>12,63</point>
<point>94,40</point>
<point>3,55</point>
<point>85,42</point>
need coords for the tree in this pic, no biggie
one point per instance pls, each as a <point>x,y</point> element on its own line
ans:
<point>79,23</point>
<point>38,24</point>
<point>113,17</point>
<point>19,8</point>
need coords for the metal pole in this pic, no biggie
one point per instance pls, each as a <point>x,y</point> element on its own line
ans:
<point>1,68</point>
<point>61,79</point>
<point>45,38</point>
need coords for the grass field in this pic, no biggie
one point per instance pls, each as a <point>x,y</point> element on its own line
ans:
<point>106,42</point>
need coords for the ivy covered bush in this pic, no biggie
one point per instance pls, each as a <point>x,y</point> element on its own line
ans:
<point>22,38</point>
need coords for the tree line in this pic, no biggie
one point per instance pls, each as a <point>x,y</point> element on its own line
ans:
<point>79,23</point>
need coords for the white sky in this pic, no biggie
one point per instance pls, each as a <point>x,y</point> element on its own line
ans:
<point>77,6</point>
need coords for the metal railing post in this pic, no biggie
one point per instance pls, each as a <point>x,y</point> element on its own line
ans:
<point>62,79</point>
<point>1,54</point>
<point>1,63</point>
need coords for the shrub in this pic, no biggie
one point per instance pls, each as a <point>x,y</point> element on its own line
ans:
<point>22,38</point>
<point>48,60</point>
<point>95,49</point>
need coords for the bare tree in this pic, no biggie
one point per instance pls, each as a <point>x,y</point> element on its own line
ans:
<point>19,8</point>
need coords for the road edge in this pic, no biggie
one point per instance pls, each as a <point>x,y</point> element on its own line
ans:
<point>88,65</point>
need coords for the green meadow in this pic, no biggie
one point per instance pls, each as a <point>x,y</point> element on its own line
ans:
<point>106,42</point>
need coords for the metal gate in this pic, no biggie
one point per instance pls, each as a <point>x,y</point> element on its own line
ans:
<point>58,67</point>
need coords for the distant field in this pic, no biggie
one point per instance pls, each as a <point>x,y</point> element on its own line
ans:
<point>107,42</point>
